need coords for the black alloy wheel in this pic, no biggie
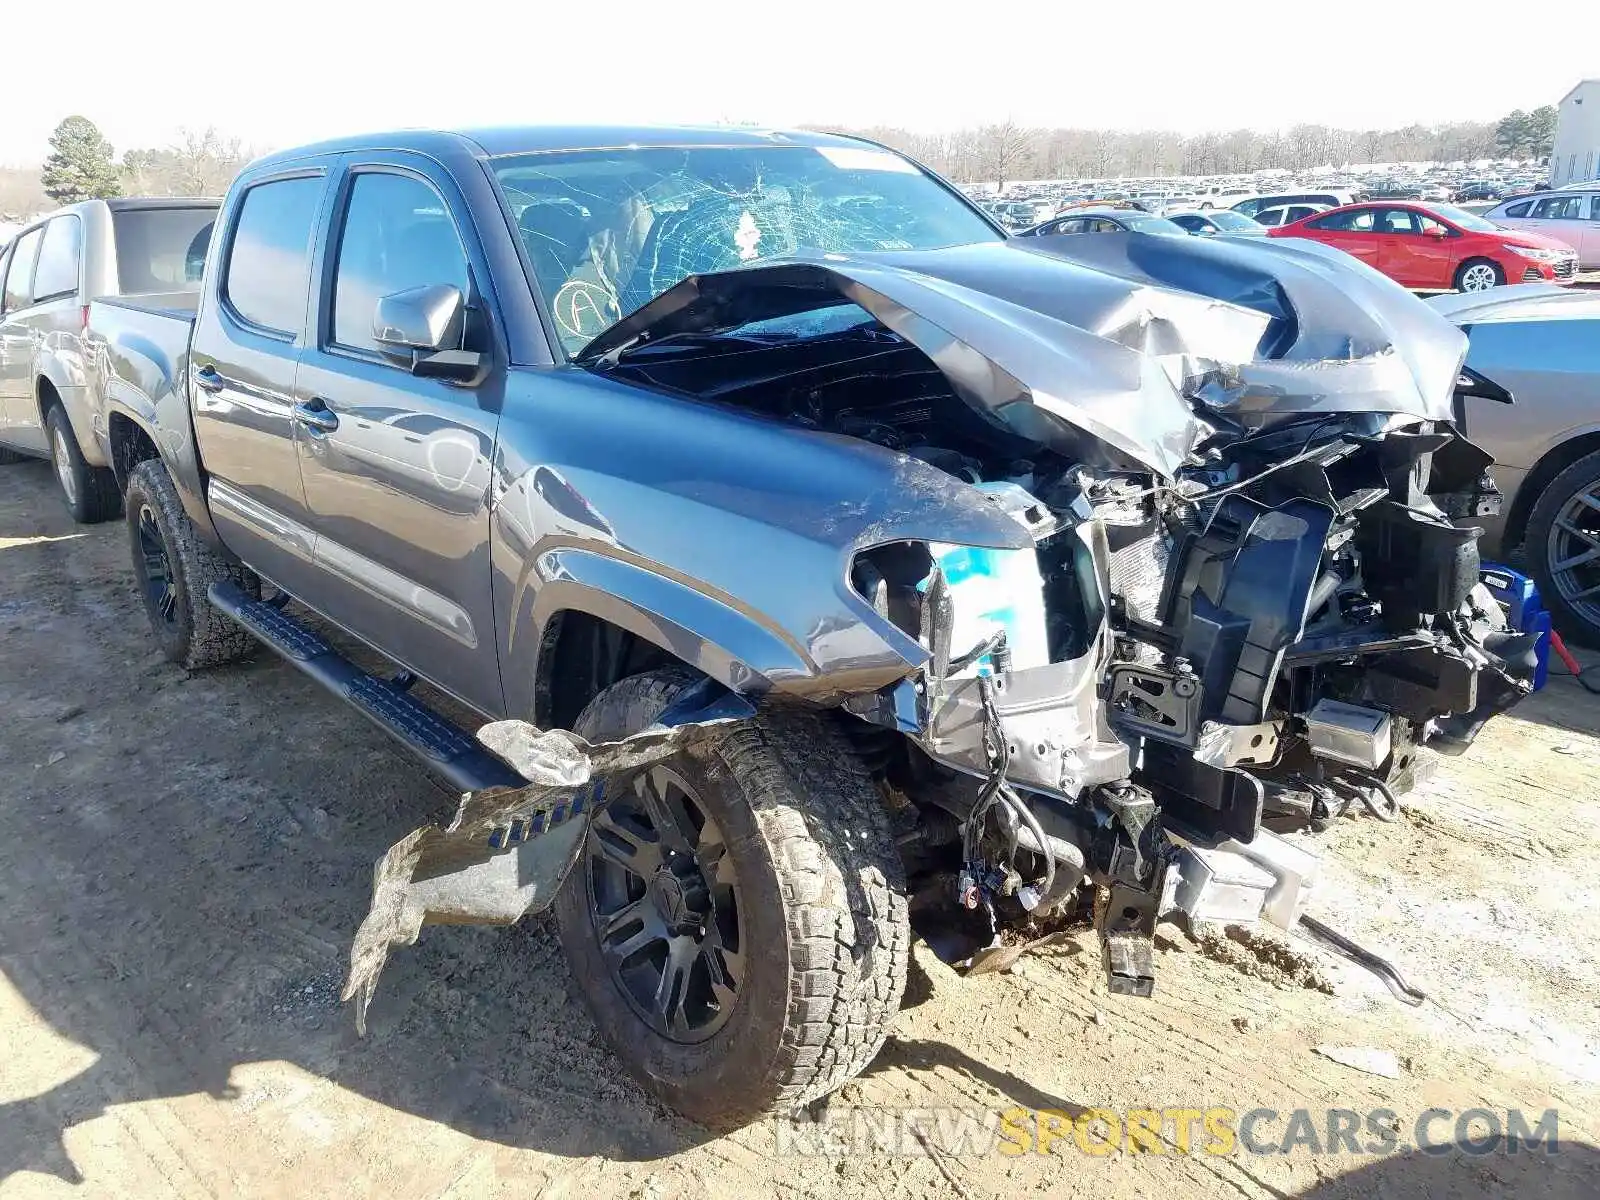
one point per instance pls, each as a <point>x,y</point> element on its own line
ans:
<point>664,907</point>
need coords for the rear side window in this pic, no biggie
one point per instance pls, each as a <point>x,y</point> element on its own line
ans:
<point>60,254</point>
<point>398,235</point>
<point>19,275</point>
<point>1358,221</point>
<point>268,270</point>
<point>161,249</point>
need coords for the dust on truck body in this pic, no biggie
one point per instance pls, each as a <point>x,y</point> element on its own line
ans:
<point>816,553</point>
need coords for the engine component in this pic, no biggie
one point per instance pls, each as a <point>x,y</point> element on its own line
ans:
<point>1215,885</point>
<point>1241,597</point>
<point>1349,733</point>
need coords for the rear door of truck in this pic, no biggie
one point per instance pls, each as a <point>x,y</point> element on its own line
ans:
<point>397,472</point>
<point>249,334</point>
<point>19,420</point>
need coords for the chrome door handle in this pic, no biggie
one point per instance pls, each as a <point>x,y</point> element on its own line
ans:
<point>315,414</point>
<point>207,379</point>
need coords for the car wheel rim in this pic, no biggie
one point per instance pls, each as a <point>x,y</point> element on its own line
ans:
<point>160,584</point>
<point>664,907</point>
<point>1573,553</point>
<point>1478,279</point>
<point>63,462</point>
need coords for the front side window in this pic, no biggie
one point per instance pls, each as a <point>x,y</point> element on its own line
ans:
<point>1559,208</point>
<point>268,268</point>
<point>398,235</point>
<point>608,230</point>
<point>19,275</point>
<point>1397,220</point>
<point>1519,210</point>
<point>60,254</point>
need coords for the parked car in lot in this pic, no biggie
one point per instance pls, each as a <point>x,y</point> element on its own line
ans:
<point>1284,214</point>
<point>1016,214</point>
<point>48,276</point>
<point>1435,246</point>
<point>1543,345</point>
<point>1480,190</point>
<point>1254,204</point>
<point>1217,221</point>
<point>1572,217</point>
<point>623,431</point>
<point>1104,220</point>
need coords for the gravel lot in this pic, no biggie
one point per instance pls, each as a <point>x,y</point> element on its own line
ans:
<point>184,859</point>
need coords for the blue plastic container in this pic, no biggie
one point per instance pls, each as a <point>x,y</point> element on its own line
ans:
<point>1518,597</point>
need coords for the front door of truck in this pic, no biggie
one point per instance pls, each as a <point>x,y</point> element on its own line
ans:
<point>397,468</point>
<point>241,373</point>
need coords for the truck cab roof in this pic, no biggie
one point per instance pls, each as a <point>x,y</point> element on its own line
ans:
<point>532,139</point>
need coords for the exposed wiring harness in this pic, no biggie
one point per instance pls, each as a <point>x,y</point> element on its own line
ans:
<point>995,791</point>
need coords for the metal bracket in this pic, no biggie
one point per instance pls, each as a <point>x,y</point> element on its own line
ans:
<point>1162,704</point>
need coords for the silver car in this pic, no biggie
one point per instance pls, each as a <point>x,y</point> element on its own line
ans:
<point>1571,216</point>
<point>49,273</point>
<point>1543,345</point>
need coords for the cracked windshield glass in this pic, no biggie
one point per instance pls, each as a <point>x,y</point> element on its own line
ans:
<point>608,230</point>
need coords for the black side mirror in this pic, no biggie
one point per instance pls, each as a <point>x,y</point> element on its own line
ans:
<point>425,327</point>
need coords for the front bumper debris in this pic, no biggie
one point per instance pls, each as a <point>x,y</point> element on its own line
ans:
<point>507,850</point>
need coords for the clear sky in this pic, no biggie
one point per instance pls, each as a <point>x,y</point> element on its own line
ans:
<point>286,71</point>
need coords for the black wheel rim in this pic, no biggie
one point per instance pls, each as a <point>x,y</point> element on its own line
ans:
<point>664,907</point>
<point>1573,553</point>
<point>160,584</point>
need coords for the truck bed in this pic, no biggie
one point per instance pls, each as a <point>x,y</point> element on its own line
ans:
<point>139,354</point>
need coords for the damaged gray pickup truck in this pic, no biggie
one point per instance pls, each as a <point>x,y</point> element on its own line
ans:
<point>822,563</point>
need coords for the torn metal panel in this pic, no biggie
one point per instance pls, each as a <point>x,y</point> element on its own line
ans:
<point>1343,339</point>
<point>1132,339</point>
<point>507,850</point>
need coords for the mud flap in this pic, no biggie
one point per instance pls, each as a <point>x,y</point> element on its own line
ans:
<point>508,850</point>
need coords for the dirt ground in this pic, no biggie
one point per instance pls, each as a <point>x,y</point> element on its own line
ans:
<point>184,859</point>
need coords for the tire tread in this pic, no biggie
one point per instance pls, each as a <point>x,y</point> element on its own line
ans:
<point>829,839</point>
<point>212,640</point>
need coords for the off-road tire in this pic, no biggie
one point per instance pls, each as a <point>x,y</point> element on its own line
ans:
<point>822,911</point>
<point>196,636</point>
<point>1461,274</point>
<point>90,493</point>
<point>1580,476</point>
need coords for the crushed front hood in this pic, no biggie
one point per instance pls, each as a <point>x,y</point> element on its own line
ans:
<point>1142,342</point>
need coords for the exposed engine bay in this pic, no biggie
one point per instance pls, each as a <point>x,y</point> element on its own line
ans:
<point>1243,601</point>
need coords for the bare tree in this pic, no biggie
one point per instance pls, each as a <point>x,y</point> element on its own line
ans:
<point>1004,147</point>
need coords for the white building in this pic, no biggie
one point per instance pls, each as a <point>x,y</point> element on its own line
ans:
<point>1576,156</point>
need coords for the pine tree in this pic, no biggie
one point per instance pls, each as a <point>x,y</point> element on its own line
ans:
<point>79,166</point>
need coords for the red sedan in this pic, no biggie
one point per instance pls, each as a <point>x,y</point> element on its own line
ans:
<point>1435,246</point>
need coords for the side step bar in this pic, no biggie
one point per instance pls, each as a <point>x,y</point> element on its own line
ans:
<point>448,751</point>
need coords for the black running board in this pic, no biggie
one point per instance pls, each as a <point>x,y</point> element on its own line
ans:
<point>442,747</point>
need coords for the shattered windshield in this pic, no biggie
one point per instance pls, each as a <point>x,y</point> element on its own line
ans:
<point>608,230</point>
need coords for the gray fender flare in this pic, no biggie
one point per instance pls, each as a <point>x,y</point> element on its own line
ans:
<point>714,637</point>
